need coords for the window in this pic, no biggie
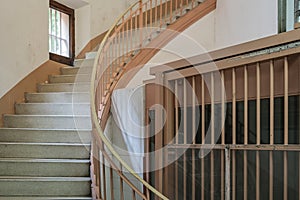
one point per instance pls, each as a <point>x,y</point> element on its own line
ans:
<point>297,11</point>
<point>288,15</point>
<point>61,33</point>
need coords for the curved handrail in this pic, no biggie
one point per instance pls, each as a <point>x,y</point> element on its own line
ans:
<point>95,117</point>
<point>143,14</point>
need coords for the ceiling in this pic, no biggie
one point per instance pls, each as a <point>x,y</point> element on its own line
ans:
<point>75,4</point>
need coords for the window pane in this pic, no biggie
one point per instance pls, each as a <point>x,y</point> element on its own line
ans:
<point>58,33</point>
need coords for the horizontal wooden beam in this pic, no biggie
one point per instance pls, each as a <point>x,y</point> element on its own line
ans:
<point>226,64</point>
<point>250,147</point>
<point>251,46</point>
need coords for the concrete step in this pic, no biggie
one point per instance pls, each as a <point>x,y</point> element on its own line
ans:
<point>70,78</point>
<point>60,97</point>
<point>52,109</point>
<point>91,55</point>
<point>44,167</point>
<point>48,186</point>
<point>44,150</point>
<point>76,70</point>
<point>63,87</point>
<point>45,198</point>
<point>48,121</point>
<point>84,62</point>
<point>44,136</point>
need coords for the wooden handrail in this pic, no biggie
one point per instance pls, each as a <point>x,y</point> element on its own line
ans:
<point>116,49</point>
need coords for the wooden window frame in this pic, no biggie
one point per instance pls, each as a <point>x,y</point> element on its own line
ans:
<point>69,11</point>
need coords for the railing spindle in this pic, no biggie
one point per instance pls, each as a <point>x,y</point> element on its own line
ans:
<point>111,182</point>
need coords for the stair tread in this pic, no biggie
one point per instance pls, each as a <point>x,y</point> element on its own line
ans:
<point>34,160</point>
<point>85,59</point>
<point>55,103</point>
<point>68,75</point>
<point>25,178</point>
<point>39,129</point>
<point>46,144</point>
<point>20,115</point>
<point>53,84</point>
<point>52,93</point>
<point>41,198</point>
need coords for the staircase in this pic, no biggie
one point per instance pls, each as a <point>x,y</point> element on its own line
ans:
<point>45,145</point>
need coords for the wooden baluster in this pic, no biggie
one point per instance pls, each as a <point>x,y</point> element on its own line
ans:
<point>233,134</point>
<point>271,128</point>
<point>194,137</point>
<point>286,127</point>
<point>203,136</point>
<point>257,130</point>
<point>212,164</point>
<point>245,131</point>
<point>223,132</point>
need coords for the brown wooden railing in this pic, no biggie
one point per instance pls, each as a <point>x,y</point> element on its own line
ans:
<point>260,90</point>
<point>143,21</point>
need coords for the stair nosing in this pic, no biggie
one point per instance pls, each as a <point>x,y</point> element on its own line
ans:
<point>45,129</point>
<point>60,116</point>
<point>44,179</point>
<point>37,160</point>
<point>44,144</point>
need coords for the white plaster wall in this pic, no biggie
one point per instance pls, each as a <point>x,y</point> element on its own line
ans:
<point>239,21</point>
<point>96,18</point>
<point>233,22</point>
<point>23,41</point>
<point>82,28</point>
<point>198,38</point>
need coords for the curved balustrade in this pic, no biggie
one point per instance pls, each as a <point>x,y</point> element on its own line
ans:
<point>132,31</point>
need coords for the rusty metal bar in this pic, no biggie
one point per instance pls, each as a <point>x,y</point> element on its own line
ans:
<point>245,175</point>
<point>103,177</point>
<point>184,136</point>
<point>233,108</point>
<point>257,176</point>
<point>223,108</point>
<point>111,181</point>
<point>176,112</point>
<point>233,175</point>
<point>212,176</point>
<point>184,111</point>
<point>203,109</point>
<point>271,102</point>
<point>194,136</point>
<point>212,81</point>
<point>257,103</point>
<point>286,101</point>
<point>227,174</point>
<point>121,189</point>
<point>222,189</point>
<point>245,105</point>
<point>194,124</point>
<point>285,175</point>
<point>271,174</point>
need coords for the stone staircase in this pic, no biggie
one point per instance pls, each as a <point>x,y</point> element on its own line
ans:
<point>45,145</point>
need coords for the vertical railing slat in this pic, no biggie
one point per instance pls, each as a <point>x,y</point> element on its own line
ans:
<point>257,130</point>
<point>286,127</point>
<point>233,133</point>
<point>111,181</point>
<point>194,136</point>
<point>176,137</point>
<point>271,102</point>
<point>203,134</point>
<point>212,164</point>
<point>184,137</point>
